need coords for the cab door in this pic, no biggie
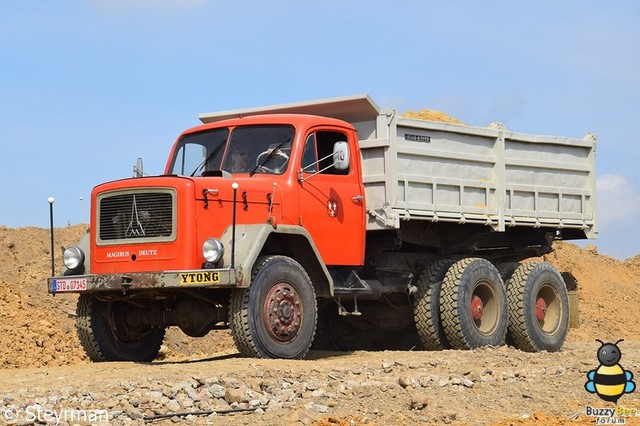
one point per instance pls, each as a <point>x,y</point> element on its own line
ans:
<point>332,206</point>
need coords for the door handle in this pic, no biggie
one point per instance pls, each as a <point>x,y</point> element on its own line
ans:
<point>357,198</point>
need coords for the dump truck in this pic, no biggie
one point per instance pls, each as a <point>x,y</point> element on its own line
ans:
<point>334,224</point>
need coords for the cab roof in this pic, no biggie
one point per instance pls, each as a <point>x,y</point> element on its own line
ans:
<point>353,109</point>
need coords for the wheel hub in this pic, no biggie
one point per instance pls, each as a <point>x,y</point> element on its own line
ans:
<point>477,308</point>
<point>541,308</point>
<point>282,312</point>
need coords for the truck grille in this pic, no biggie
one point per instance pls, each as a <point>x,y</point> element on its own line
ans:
<point>140,215</point>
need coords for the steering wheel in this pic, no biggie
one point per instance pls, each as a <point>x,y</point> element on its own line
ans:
<point>279,157</point>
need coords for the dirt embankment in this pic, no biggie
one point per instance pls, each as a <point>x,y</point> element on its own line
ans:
<point>38,329</point>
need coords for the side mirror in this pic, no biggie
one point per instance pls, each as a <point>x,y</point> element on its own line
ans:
<point>341,155</point>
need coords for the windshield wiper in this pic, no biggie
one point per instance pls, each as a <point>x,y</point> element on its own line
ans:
<point>208,158</point>
<point>269,157</point>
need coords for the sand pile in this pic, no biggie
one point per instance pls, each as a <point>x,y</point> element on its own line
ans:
<point>431,115</point>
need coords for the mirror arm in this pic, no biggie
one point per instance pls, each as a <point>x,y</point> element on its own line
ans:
<point>301,177</point>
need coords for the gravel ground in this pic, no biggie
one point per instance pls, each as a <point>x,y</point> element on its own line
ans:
<point>483,386</point>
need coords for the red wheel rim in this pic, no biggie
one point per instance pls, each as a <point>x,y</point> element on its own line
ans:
<point>282,312</point>
<point>541,308</point>
<point>548,309</point>
<point>484,307</point>
<point>477,308</point>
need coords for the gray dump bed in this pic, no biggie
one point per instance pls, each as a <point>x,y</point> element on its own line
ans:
<point>435,171</point>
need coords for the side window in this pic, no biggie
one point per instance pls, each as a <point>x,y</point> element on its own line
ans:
<point>318,153</point>
<point>310,156</point>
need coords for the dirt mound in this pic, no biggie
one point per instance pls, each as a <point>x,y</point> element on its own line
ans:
<point>431,115</point>
<point>38,329</point>
<point>633,263</point>
<point>607,292</point>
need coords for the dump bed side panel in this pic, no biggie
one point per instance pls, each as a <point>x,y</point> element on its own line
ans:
<point>421,170</point>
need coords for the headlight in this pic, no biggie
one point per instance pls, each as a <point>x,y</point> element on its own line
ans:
<point>73,257</point>
<point>212,250</point>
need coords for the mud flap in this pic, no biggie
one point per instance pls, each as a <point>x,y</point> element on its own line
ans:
<point>572,289</point>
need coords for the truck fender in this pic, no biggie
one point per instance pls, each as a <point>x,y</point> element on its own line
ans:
<point>254,240</point>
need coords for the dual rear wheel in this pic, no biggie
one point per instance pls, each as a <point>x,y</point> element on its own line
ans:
<point>470,303</point>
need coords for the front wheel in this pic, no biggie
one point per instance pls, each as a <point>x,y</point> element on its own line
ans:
<point>276,316</point>
<point>107,335</point>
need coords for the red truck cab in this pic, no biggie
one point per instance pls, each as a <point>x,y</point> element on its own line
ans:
<point>297,186</point>
<point>278,193</point>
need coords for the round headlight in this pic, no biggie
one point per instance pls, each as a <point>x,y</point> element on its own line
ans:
<point>73,257</point>
<point>212,250</point>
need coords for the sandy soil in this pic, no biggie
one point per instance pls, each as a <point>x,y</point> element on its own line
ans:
<point>40,357</point>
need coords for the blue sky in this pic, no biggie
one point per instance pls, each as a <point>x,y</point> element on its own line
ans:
<point>86,87</point>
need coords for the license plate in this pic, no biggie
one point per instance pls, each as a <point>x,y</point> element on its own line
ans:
<point>69,284</point>
<point>187,278</point>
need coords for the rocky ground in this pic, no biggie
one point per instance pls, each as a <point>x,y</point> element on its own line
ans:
<point>45,376</point>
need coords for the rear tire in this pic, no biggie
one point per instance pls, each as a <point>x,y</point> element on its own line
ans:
<point>105,336</point>
<point>473,305</point>
<point>538,308</point>
<point>276,316</point>
<point>426,305</point>
<point>506,270</point>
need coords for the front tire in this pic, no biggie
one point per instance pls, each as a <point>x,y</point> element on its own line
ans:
<point>105,335</point>
<point>276,316</point>
<point>538,308</point>
<point>473,305</point>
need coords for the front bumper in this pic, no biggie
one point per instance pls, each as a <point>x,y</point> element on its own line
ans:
<point>203,278</point>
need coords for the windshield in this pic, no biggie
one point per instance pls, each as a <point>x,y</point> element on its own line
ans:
<point>243,149</point>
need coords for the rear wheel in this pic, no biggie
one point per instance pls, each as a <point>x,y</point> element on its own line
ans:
<point>473,305</point>
<point>538,307</point>
<point>426,305</point>
<point>106,335</point>
<point>276,316</point>
<point>506,270</point>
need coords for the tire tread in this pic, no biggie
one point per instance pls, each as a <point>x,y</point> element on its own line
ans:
<point>426,306</point>
<point>457,322</point>
<point>84,328</point>
<point>239,315</point>
<point>521,335</point>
